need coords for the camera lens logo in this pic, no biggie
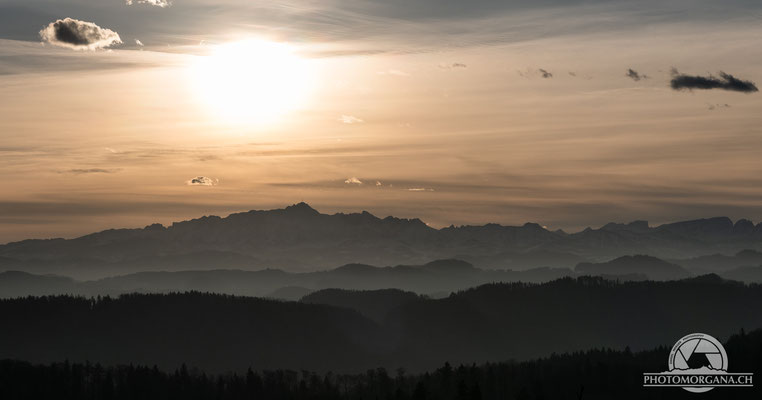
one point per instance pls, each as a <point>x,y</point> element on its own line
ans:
<point>697,363</point>
<point>698,353</point>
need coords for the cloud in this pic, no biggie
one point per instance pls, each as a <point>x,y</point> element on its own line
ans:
<point>91,171</point>
<point>634,75</point>
<point>393,72</point>
<point>78,35</point>
<point>453,66</point>
<point>420,190</point>
<point>350,119</point>
<point>725,82</point>
<point>138,42</point>
<point>718,105</point>
<point>353,181</point>
<point>157,3</point>
<point>202,181</point>
<point>531,73</point>
<point>378,183</point>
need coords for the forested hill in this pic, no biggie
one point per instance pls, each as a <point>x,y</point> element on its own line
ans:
<point>590,375</point>
<point>489,323</point>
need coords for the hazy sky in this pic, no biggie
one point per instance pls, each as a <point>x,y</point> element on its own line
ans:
<point>559,112</point>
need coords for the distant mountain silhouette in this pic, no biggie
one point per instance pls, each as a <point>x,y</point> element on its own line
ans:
<point>721,262</point>
<point>15,284</point>
<point>490,323</point>
<point>745,274</point>
<point>299,238</point>
<point>648,266</point>
<point>442,276</point>
<point>291,293</point>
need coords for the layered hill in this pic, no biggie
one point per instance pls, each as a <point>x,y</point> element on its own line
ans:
<point>437,278</point>
<point>490,323</point>
<point>647,266</point>
<point>299,238</point>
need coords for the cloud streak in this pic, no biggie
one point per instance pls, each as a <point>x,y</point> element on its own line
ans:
<point>80,171</point>
<point>725,82</point>
<point>393,72</point>
<point>350,119</point>
<point>157,3</point>
<point>453,66</point>
<point>78,35</point>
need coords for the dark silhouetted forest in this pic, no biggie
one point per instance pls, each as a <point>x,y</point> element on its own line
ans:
<point>491,323</point>
<point>595,374</point>
<point>374,304</point>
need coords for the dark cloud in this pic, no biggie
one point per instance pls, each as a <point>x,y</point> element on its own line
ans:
<point>634,75</point>
<point>724,81</point>
<point>78,35</point>
<point>545,74</point>
<point>202,181</point>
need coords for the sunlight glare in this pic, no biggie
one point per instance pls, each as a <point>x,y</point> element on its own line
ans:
<point>252,81</point>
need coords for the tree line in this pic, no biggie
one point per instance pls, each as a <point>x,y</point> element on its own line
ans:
<point>594,374</point>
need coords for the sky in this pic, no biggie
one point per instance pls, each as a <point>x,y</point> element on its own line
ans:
<point>567,113</point>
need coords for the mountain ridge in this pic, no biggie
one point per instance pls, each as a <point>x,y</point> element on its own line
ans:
<point>300,238</point>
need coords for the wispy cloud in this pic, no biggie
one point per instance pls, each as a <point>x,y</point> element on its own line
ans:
<point>724,81</point>
<point>79,171</point>
<point>157,3</point>
<point>718,105</point>
<point>393,72</point>
<point>78,35</point>
<point>539,72</point>
<point>350,119</point>
<point>455,65</point>
<point>420,190</point>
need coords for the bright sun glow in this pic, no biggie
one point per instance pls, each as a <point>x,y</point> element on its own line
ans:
<point>252,81</point>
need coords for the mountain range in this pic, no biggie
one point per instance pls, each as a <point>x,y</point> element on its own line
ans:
<point>299,238</point>
<point>437,278</point>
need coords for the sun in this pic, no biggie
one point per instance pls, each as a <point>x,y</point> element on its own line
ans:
<point>252,81</point>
